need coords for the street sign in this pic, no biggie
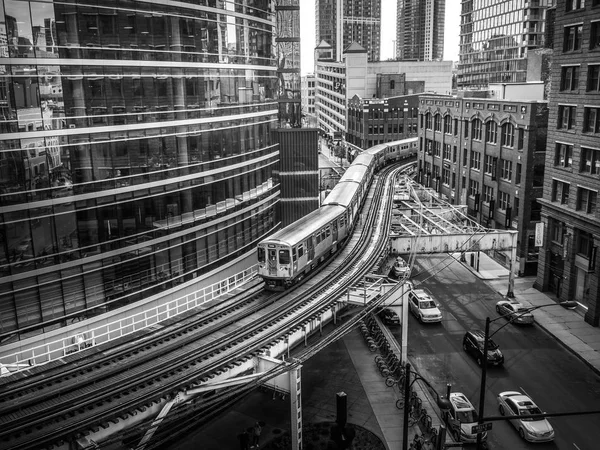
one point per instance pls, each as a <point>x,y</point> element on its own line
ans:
<point>481,427</point>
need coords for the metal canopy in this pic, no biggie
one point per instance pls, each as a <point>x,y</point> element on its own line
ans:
<point>422,222</point>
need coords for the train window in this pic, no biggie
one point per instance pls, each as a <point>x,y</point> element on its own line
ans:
<point>300,250</point>
<point>294,256</point>
<point>272,255</point>
<point>323,235</point>
<point>261,254</point>
<point>318,238</point>
<point>328,231</point>
<point>284,256</point>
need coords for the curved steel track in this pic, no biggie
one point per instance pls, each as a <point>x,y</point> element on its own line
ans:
<point>61,403</point>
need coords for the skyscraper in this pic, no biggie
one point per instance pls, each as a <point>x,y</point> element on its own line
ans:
<point>496,40</point>
<point>136,159</point>
<point>341,22</point>
<point>420,30</point>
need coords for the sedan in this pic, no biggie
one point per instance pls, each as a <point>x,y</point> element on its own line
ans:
<point>389,317</point>
<point>515,312</point>
<point>531,429</point>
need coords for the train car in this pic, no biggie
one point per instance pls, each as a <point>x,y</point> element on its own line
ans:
<point>288,255</point>
<point>399,150</point>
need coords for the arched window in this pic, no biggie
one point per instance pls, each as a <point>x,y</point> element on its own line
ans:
<point>477,126</point>
<point>508,135</point>
<point>491,132</point>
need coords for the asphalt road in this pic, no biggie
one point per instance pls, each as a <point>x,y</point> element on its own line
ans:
<point>534,361</point>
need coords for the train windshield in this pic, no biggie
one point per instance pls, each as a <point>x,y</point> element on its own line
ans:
<point>261,254</point>
<point>284,256</point>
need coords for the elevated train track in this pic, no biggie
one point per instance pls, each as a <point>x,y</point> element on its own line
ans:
<point>56,407</point>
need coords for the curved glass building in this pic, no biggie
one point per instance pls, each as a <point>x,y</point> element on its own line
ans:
<point>135,152</point>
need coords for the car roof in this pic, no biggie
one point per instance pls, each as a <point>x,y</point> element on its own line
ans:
<point>477,334</point>
<point>460,402</point>
<point>421,293</point>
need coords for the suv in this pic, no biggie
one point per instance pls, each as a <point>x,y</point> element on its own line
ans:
<point>461,418</point>
<point>473,344</point>
<point>423,307</point>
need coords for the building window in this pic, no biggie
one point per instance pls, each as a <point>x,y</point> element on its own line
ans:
<point>560,192</point>
<point>491,132</point>
<point>447,124</point>
<point>591,120</point>
<point>506,170</point>
<point>503,200</point>
<point>446,177</point>
<point>428,121</point>
<point>585,243</point>
<point>564,155</point>
<point>437,149</point>
<point>488,165</point>
<point>558,230</point>
<point>488,194</point>
<point>473,188</point>
<point>437,123</point>
<point>447,152</point>
<point>455,127</point>
<point>595,35</point>
<point>593,78</point>
<point>590,161</point>
<point>586,200</point>
<point>475,161</point>
<point>477,125</point>
<point>521,138</point>
<point>566,117</point>
<point>466,126</point>
<point>572,38</point>
<point>569,78</point>
<point>518,174</point>
<point>574,4</point>
<point>392,84</point>
<point>508,135</point>
<point>454,152</point>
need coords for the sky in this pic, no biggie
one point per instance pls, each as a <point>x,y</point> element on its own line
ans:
<point>388,31</point>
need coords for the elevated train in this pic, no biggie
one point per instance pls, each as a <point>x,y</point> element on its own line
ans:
<point>291,253</point>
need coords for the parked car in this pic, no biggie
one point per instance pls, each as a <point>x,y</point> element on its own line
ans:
<point>389,317</point>
<point>473,345</point>
<point>401,268</point>
<point>514,403</point>
<point>461,418</point>
<point>423,306</point>
<point>515,312</point>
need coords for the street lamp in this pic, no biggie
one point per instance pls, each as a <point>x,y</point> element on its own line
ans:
<point>442,402</point>
<point>486,338</point>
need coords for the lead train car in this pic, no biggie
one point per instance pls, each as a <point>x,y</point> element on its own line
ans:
<point>289,254</point>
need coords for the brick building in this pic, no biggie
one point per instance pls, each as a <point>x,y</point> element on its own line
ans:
<point>488,154</point>
<point>570,216</point>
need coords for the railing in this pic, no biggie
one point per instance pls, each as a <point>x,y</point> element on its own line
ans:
<point>86,337</point>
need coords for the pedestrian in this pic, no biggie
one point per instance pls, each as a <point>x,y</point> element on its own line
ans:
<point>256,434</point>
<point>244,438</point>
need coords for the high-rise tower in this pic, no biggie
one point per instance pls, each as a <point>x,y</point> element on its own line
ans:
<point>420,30</point>
<point>496,39</point>
<point>341,22</point>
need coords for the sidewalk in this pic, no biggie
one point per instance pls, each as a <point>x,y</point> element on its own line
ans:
<point>567,326</point>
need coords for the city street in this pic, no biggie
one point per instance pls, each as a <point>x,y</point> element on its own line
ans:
<point>534,361</point>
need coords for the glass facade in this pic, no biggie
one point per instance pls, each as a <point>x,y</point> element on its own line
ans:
<point>495,37</point>
<point>420,30</point>
<point>359,20</point>
<point>135,150</point>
